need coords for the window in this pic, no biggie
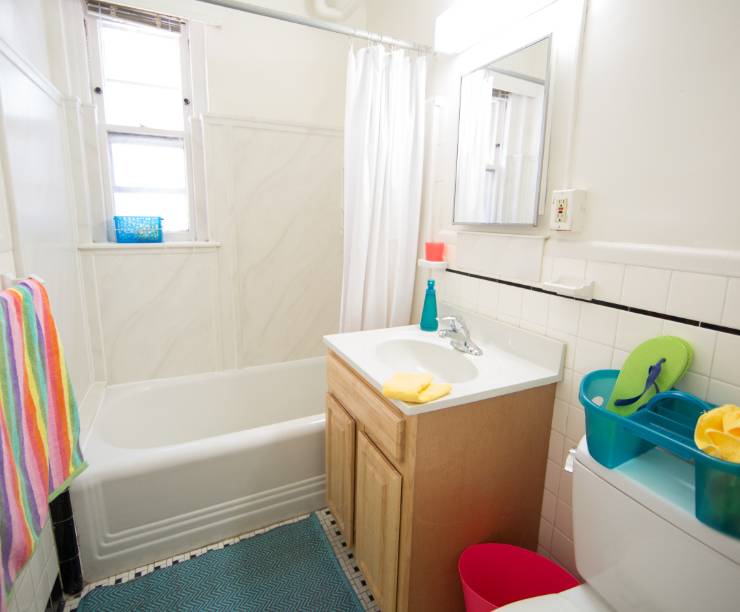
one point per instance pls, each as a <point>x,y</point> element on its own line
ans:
<point>139,64</point>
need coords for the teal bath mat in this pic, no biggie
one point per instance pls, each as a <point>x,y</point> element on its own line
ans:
<point>288,568</point>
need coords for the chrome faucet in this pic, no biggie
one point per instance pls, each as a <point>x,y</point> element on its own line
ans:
<point>459,335</point>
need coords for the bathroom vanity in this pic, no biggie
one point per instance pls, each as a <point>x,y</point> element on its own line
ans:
<point>412,485</point>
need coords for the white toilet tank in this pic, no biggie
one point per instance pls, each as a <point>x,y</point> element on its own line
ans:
<point>638,543</point>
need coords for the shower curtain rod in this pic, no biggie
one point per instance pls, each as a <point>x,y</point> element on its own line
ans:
<point>318,24</point>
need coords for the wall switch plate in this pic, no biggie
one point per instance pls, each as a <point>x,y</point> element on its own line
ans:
<point>567,209</point>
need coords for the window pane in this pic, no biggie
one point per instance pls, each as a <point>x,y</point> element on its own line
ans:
<point>172,207</point>
<point>141,76</point>
<point>149,178</point>
<point>147,162</point>
<point>143,106</point>
<point>141,55</point>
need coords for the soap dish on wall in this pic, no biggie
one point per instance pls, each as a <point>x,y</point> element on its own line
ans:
<point>432,265</point>
<point>571,287</point>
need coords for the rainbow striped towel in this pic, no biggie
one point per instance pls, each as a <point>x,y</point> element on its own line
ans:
<point>39,424</point>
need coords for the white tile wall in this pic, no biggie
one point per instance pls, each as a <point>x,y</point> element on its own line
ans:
<point>267,294</point>
<point>607,278</point>
<point>598,323</point>
<point>158,312</point>
<point>595,337</point>
<point>726,359</point>
<point>703,297</point>
<point>632,328</point>
<point>697,296</point>
<point>535,308</point>
<point>568,267</point>
<point>646,288</point>
<point>497,255</point>
<point>281,222</point>
<point>32,588</point>
<point>731,314</point>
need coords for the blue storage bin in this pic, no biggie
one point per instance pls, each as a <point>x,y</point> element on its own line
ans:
<point>668,421</point>
<point>138,229</point>
<point>609,441</point>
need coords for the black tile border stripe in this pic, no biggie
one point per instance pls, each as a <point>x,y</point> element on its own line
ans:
<point>658,315</point>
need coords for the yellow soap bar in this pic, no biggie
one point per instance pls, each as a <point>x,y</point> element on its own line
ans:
<point>406,386</point>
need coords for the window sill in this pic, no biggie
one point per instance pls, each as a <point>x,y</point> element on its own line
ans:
<point>175,246</point>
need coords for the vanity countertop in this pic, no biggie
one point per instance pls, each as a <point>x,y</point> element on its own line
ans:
<point>513,359</point>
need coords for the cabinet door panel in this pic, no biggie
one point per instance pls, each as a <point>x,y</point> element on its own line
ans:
<point>340,466</point>
<point>377,521</point>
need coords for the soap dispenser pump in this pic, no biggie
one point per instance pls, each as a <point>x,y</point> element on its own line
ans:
<point>429,312</point>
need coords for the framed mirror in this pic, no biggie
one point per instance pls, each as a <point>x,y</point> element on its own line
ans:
<point>501,137</point>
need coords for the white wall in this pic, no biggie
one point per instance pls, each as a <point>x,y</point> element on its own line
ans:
<point>37,214</point>
<point>269,69</point>
<point>653,140</point>
<point>654,154</point>
<point>408,20</point>
<point>267,287</point>
<point>22,28</point>
<point>657,131</point>
<point>40,205</point>
<point>276,195</point>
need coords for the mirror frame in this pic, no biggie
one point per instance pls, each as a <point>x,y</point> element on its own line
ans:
<point>541,170</point>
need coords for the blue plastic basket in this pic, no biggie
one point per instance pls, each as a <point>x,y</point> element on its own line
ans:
<point>138,229</point>
<point>668,421</point>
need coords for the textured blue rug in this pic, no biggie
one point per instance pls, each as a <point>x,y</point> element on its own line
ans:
<point>286,569</point>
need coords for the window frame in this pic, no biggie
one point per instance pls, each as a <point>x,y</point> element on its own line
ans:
<point>93,23</point>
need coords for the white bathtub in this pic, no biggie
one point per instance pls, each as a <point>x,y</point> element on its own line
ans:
<point>179,463</point>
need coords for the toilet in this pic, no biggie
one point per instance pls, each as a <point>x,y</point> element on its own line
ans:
<point>639,546</point>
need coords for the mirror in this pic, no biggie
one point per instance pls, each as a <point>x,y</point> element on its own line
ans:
<point>503,109</point>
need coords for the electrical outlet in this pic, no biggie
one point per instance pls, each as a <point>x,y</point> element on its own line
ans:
<point>567,209</point>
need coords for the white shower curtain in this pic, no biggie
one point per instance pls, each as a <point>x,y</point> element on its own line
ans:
<point>383,155</point>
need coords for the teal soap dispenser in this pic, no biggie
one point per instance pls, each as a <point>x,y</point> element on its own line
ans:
<point>429,312</point>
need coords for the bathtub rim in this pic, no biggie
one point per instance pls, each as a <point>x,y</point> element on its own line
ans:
<point>101,393</point>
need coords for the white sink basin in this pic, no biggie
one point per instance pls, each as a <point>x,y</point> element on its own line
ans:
<point>513,359</point>
<point>444,363</point>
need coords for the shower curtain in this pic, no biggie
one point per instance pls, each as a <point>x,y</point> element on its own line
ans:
<point>383,155</point>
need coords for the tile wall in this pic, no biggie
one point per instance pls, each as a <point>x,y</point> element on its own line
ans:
<point>265,290</point>
<point>601,337</point>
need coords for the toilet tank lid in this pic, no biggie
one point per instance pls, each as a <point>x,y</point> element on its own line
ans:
<point>664,484</point>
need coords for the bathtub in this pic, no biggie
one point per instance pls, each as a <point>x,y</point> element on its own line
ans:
<point>179,463</point>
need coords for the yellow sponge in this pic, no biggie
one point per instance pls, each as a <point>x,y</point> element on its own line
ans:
<point>433,392</point>
<point>406,386</point>
<point>414,387</point>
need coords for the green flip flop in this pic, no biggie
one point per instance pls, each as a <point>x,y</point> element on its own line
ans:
<point>654,366</point>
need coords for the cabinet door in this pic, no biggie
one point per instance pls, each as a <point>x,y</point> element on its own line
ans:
<point>340,466</point>
<point>377,521</point>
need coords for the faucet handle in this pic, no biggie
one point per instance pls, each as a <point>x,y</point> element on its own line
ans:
<point>455,323</point>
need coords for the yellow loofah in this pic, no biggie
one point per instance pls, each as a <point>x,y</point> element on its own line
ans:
<point>717,433</point>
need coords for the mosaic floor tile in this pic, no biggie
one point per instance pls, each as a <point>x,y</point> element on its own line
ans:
<point>344,554</point>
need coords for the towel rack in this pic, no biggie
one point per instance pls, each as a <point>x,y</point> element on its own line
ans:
<point>8,279</point>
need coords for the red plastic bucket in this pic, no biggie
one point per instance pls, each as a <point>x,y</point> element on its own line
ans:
<point>494,575</point>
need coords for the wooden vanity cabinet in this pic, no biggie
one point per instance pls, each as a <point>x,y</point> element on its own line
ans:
<point>340,466</point>
<point>411,492</point>
<point>377,521</point>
